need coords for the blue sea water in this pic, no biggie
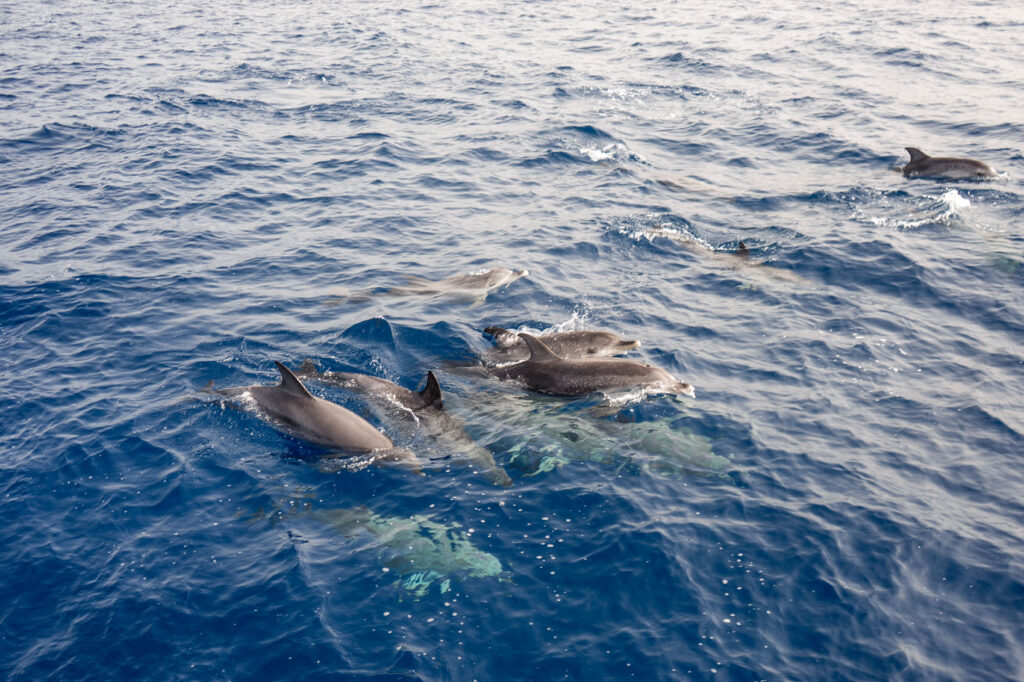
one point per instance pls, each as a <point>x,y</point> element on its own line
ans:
<point>183,189</point>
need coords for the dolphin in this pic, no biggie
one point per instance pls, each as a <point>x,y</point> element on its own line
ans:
<point>926,166</point>
<point>573,344</point>
<point>471,287</point>
<point>739,260</point>
<point>546,372</point>
<point>297,412</point>
<point>425,407</point>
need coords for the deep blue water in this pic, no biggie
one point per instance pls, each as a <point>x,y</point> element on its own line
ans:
<point>183,190</point>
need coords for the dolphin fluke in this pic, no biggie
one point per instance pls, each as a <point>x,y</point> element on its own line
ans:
<point>539,352</point>
<point>431,394</point>
<point>290,383</point>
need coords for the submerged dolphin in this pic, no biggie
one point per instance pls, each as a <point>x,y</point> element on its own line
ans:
<point>573,344</point>
<point>945,167</point>
<point>470,287</point>
<point>547,372</point>
<point>296,411</point>
<point>426,407</point>
<point>416,549</point>
<point>739,260</point>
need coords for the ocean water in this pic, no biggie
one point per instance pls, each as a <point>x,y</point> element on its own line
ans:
<point>189,193</point>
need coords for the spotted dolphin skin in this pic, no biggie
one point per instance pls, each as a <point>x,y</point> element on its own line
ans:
<point>547,372</point>
<point>425,407</point>
<point>581,343</point>
<point>297,412</point>
<point>925,166</point>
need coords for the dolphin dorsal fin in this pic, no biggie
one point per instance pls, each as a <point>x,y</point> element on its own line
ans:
<point>308,367</point>
<point>538,350</point>
<point>431,394</point>
<point>916,154</point>
<point>290,382</point>
<point>742,250</point>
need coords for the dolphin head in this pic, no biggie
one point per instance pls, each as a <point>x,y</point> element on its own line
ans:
<point>403,457</point>
<point>683,388</point>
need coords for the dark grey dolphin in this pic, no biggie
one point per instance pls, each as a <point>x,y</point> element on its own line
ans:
<point>297,412</point>
<point>546,372</point>
<point>945,167</point>
<point>582,343</point>
<point>426,407</point>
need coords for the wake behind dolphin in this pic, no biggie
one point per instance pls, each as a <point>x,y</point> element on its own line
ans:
<point>922,165</point>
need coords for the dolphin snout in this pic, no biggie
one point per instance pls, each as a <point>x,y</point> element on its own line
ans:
<point>685,389</point>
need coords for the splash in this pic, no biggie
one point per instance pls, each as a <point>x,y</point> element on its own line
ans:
<point>943,210</point>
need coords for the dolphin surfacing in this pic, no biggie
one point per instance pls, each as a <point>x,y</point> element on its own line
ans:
<point>471,287</point>
<point>922,165</point>
<point>582,343</point>
<point>294,410</point>
<point>547,372</point>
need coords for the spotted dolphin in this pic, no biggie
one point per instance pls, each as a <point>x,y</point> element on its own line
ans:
<point>926,166</point>
<point>471,287</point>
<point>294,410</point>
<point>547,372</point>
<point>581,343</point>
<point>425,407</point>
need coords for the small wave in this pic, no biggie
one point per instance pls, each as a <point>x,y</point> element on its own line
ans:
<point>613,152</point>
<point>944,210</point>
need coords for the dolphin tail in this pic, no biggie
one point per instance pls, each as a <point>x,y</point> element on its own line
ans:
<point>742,250</point>
<point>916,155</point>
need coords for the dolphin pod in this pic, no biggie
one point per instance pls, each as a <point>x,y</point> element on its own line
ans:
<point>922,165</point>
